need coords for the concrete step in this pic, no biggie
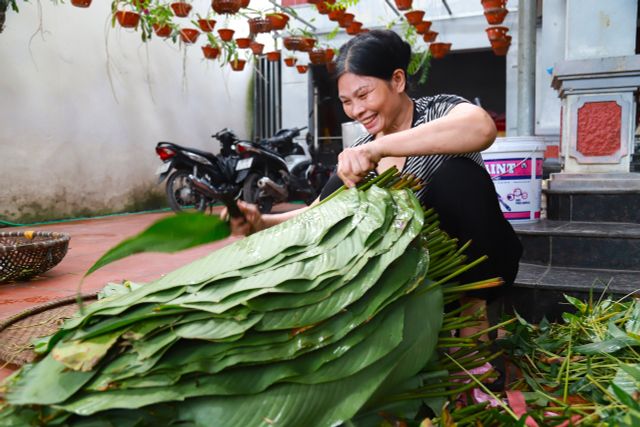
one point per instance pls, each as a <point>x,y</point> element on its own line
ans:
<point>592,245</point>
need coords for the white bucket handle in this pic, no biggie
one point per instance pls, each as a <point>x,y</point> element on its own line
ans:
<point>493,178</point>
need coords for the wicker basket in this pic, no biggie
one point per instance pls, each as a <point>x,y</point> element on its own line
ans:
<point>24,254</point>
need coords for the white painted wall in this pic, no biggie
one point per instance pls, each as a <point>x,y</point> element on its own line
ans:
<point>73,144</point>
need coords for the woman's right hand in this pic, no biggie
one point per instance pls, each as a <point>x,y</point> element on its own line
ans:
<point>249,223</point>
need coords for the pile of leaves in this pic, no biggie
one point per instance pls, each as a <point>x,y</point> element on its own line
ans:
<point>331,317</point>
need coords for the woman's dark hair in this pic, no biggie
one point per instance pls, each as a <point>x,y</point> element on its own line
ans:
<point>377,53</point>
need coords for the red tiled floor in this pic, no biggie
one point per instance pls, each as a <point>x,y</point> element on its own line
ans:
<point>89,240</point>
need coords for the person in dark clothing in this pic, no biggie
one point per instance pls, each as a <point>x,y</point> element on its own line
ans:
<point>436,138</point>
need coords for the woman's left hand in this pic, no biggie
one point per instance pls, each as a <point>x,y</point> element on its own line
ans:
<point>355,163</point>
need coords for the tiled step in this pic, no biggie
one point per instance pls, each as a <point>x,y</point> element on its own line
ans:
<point>606,207</point>
<point>612,246</point>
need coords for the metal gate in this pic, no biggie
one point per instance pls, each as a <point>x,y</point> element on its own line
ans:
<point>267,98</point>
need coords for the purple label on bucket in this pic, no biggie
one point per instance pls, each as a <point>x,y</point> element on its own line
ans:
<point>513,168</point>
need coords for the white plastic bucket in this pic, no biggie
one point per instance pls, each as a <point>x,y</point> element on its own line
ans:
<point>351,131</point>
<point>515,166</point>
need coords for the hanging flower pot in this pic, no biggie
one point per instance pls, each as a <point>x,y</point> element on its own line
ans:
<point>403,4</point>
<point>293,42</point>
<point>290,61</point>
<point>302,68</point>
<point>243,42</point>
<point>414,17</point>
<point>256,48</point>
<point>496,32</point>
<point>323,6</point>
<point>226,34</point>
<point>317,56</point>
<point>206,25</point>
<point>493,4</point>
<point>308,44</point>
<point>226,6</point>
<point>329,53</point>
<point>244,3</point>
<point>189,35</point>
<point>278,20</point>
<point>81,3</point>
<point>210,52</point>
<point>354,28</point>
<point>181,9</point>
<point>162,30</point>
<point>430,36</point>
<point>336,15</point>
<point>259,25</point>
<point>273,56</point>
<point>439,50</point>
<point>127,19</point>
<point>423,27</point>
<point>496,15</point>
<point>346,20</point>
<point>237,64</point>
<point>501,46</point>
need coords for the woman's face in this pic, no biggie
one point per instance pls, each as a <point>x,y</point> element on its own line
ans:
<point>371,101</point>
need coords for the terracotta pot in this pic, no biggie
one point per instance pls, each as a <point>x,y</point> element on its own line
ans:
<point>244,3</point>
<point>439,50</point>
<point>501,46</point>
<point>403,4</point>
<point>423,27</point>
<point>496,32</point>
<point>81,3</point>
<point>290,61</point>
<point>278,20</point>
<point>346,20</point>
<point>226,34</point>
<point>302,68</point>
<point>496,15</point>
<point>492,4</point>
<point>331,67</point>
<point>308,44</point>
<point>259,25</point>
<point>323,8</point>
<point>317,56</point>
<point>243,42</point>
<point>256,48</point>
<point>274,56</point>
<point>238,64</point>
<point>206,25</point>
<point>293,42</point>
<point>181,9</point>
<point>189,35</point>
<point>336,15</point>
<point>210,52</point>
<point>354,28</point>
<point>430,36</point>
<point>329,54</point>
<point>414,17</point>
<point>127,19</point>
<point>162,30</point>
<point>314,1</point>
<point>226,6</point>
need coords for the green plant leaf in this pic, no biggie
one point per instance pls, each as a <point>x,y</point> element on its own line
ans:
<point>170,234</point>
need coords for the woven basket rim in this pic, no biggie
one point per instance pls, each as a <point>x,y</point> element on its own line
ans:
<point>56,239</point>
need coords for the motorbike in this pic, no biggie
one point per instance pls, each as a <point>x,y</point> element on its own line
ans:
<point>278,169</point>
<point>197,178</point>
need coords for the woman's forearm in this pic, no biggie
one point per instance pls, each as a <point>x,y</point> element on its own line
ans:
<point>467,128</point>
<point>269,220</point>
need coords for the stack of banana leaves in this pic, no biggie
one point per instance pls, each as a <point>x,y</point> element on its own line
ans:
<point>333,317</point>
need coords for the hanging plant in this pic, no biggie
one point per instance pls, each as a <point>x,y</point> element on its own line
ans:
<point>336,15</point>
<point>423,27</point>
<point>160,19</point>
<point>414,17</point>
<point>439,50</point>
<point>259,25</point>
<point>244,3</point>
<point>189,35</point>
<point>354,28</point>
<point>302,68</point>
<point>329,53</point>
<point>500,47</point>
<point>403,4</point>
<point>317,56</point>
<point>430,36</point>
<point>226,34</point>
<point>237,64</point>
<point>495,33</point>
<point>81,3</point>
<point>127,19</point>
<point>206,25</point>
<point>181,9</point>
<point>163,31</point>
<point>226,6</point>
<point>256,48</point>
<point>496,15</point>
<point>210,52</point>
<point>346,20</point>
<point>493,4</point>
<point>290,61</point>
<point>278,20</point>
<point>274,56</point>
<point>243,42</point>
